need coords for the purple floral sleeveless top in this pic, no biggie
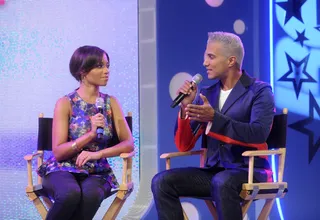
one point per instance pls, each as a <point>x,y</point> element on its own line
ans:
<point>80,124</point>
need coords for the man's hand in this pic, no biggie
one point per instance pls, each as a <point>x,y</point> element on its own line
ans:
<point>190,89</point>
<point>201,113</point>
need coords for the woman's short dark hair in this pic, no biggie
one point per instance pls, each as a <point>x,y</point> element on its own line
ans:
<point>84,59</point>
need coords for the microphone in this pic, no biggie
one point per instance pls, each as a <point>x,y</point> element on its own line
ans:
<point>196,79</point>
<point>99,106</point>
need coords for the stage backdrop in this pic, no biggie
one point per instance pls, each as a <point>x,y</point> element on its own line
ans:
<point>37,39</point>
<point>182,28</point>
<point>296,72</point>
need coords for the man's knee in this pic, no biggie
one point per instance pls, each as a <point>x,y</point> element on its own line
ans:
<point>161,181</point>
<point>157,181</point>
<point>219,181</point>
<point>225,184</point>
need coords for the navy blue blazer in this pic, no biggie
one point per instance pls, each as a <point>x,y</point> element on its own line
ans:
<point>243,123</point>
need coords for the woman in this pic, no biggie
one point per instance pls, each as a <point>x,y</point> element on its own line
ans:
<point>78,176</point>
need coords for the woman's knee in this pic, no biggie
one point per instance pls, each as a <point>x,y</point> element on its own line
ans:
<point>63,187</point>
<point>69,195</point>
<point>95,190</point>
<point>94,195</point>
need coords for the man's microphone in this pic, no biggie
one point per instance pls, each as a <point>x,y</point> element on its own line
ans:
<point>99,106</point>
<point>195,80</point>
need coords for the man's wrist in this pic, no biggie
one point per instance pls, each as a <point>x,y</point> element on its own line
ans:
<point>182,113</point>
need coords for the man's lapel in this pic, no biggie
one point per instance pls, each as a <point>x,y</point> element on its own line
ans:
<point>239,90</point>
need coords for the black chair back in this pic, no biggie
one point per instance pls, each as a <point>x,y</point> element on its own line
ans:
<point>278,134</point>
<point>129,122</point>
<point>45,134</point>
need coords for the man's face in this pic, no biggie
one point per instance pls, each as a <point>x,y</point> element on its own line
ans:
<point>215,61</point>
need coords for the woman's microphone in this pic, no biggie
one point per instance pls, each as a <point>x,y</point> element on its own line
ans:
<point>99,106</point>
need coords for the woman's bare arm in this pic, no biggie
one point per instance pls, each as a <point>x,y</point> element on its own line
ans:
<point>126,144</point>
<point>62,149</point>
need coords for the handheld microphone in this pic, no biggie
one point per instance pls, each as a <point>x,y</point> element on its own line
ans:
<point>195,80</point>
<point>99,106</point>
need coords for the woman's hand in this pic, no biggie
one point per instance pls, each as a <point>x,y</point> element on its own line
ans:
<point>86,156</point>
<point>98,120</point>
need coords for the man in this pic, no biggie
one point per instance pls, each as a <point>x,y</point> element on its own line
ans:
<point>233,115</point>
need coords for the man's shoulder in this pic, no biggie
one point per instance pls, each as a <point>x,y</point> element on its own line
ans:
<point>252,82</point>
<point>259,85</point>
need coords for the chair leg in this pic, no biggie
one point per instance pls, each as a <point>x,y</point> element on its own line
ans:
<point>114,209</point>
<point>245,207</point>
<point>38,204</point>
<point>47,201</point>
<point>212,209</point>
<point>40,207</point>
<point>185,217</point>
<point>264,214</point>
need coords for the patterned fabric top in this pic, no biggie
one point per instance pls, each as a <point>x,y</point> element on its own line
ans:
<point>80,124</point>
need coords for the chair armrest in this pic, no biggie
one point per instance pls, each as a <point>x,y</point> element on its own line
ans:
<point>179,154</point>
<point>127,155</point>
<point>262,153</point>
<point>251,154</point>
<point>202,152</point>
<point>127,170</point>
<point>29,157</point>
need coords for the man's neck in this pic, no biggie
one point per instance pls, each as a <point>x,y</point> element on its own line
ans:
<point>230,80</point>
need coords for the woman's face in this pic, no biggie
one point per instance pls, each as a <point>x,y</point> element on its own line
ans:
<point>99,75</point>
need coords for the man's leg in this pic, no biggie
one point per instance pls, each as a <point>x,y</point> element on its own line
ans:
<point>169,185</point>
<point>226,187</point>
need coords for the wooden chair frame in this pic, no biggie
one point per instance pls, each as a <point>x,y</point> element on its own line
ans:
<point>43,203</point>
<point>250,191</point>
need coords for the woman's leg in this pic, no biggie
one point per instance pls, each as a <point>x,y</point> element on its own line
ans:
<point>94,190</point>
<point>63,187</point>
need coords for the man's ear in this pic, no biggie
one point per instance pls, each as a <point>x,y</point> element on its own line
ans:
<point>232,61</point>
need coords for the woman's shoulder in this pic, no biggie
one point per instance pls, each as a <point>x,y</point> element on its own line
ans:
<point>70,95</point>
<point>111,100</point>
<point>65,101</point>
<point>108,98</point>
<point>63,104</point>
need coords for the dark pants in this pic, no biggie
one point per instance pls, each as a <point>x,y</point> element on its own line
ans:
<point>75,196</point>
<point>219,185</point>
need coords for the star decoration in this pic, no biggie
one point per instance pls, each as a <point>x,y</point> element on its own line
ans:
<point>301,37</point>
<point>317,28</point>
<point>301,126</point>
<point>295,68</point>
<point>292,8</point>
